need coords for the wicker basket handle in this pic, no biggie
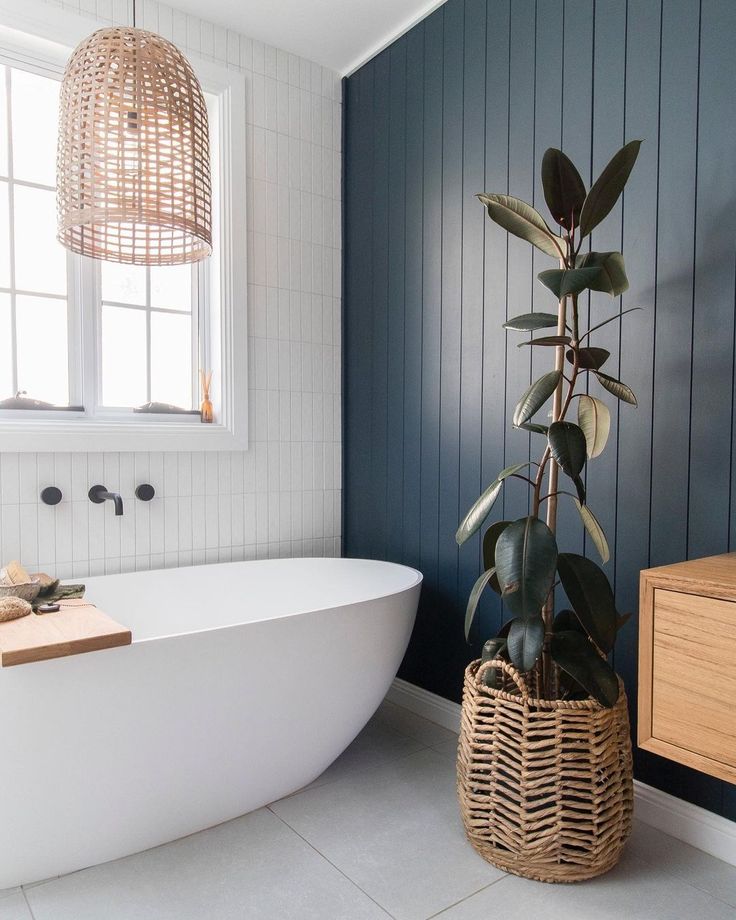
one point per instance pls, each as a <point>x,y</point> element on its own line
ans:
<point>508,669</point>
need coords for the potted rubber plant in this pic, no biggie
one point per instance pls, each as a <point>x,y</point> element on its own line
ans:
<point>544,762</point>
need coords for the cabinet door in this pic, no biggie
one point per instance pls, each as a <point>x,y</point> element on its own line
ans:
<point>694,679</point>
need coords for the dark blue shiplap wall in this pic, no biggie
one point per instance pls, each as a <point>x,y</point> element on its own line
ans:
<point>468,101</point>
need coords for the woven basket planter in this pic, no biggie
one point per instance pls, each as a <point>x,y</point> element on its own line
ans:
<point>545,786</point>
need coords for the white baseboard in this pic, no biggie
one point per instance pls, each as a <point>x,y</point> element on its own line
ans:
<point>690,823</point>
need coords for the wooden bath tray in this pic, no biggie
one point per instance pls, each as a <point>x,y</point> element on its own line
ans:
<point>77,627</point>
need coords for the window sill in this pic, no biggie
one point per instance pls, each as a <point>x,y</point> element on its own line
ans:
<point>93,435</point>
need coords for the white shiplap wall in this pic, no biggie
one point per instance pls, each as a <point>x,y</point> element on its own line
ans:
<point>282,496</point>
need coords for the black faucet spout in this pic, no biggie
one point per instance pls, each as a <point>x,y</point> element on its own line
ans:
<point>99,494</point>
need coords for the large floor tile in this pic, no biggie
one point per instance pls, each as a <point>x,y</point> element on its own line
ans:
<point>253,868</point>
<point>634,890</point>
<point>413,726</point>
<point>377,744</point>
<point>13,906</point>
<point>396,832</point>
<point>684,862</point>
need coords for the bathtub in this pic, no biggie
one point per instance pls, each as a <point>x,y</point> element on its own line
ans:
<point>244,681</point>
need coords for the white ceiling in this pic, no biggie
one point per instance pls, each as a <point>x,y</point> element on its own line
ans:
<point>339,34</point>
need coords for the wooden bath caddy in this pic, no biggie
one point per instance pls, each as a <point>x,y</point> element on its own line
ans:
<point>76,627</point>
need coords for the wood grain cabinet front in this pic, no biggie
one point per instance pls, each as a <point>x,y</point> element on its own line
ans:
<point>687,664</point>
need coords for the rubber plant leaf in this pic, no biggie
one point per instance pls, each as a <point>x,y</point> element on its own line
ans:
<point>523,221</point>
<point>594,530</point>
<point>526,561</point>
<point>594,420</point>
<point>565,281</point>
<point>482,507</point>
<point>525,641</point>
<point>607,188</point>
<point>574,654</point>
<point>537,429</point>
<point>564,190</point>
<point>590,595</point>
<point>618,389</point>
<point>474,599</point>
<point>580,488</point>
<point>529,322</point>
<point>568,447</point>
<point>535,397</point>
<point>490,538</point>
<point>565,620</point>
<point>589,359</point>
<point>547,340</point>
<point>611,278</point>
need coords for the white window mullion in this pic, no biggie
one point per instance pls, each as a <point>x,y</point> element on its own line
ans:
<point>90,336</point>
<point>199,332</point>
<point>11,227</point>
<point>148,335</point>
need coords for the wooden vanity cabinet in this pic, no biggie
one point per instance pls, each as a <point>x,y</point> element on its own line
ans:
<point>687,664</point>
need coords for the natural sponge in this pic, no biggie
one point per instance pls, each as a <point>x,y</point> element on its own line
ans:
<point>11,608</point>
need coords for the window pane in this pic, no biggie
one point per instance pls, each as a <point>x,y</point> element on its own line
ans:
<point>124,283</point>
<point>171,359</point>
<point>4,237</point>
<point>6,349</point>
<point>40,260</point>
<point>171,286</point>
<point>35,108</point>
<point>41,329</point>
<point>123,357</point>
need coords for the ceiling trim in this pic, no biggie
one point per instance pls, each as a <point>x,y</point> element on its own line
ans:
<point>391,36</point>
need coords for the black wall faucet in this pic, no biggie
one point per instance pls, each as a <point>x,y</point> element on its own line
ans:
<point>99,494</point>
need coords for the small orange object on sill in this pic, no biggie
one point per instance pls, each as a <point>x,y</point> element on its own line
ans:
<point>206,409</point>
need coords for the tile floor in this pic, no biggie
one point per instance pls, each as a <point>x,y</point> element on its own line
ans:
<point>376,836</point>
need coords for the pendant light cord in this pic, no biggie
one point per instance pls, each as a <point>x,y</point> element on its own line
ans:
<point>134,6</point>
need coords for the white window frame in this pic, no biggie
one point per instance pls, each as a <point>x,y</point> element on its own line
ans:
<point>25,25</point>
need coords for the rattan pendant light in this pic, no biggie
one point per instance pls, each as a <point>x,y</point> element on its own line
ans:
<point>133,168</point>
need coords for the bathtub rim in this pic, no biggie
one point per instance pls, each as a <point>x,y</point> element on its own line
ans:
<point>416,582</point>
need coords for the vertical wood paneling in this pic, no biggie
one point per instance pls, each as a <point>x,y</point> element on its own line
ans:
<point>471,374</point>
<point>487,86</point>
<point>577,142</point>
<point>432,297</point>
<point>608,135</point>
<point>495,266</point>
<point>379,287</point>
<point>520,277</point>
<point>413,293</point>
<point>451,323</point>
<point>674,295</point>
<point>396,298</point>
<point>358,289</point>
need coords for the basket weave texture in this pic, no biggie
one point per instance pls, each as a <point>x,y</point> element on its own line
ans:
<point>133,164</point>
<point>545,786</point>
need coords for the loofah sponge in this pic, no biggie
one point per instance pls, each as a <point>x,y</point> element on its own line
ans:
<point>11,608</point>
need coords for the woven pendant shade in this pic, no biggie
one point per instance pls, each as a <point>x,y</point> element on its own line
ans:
<point>133,167</point>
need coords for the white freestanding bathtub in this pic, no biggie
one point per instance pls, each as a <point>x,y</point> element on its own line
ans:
<point>244,681</point>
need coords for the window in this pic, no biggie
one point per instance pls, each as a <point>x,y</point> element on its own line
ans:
<point>34,275</point>
<point>99,341</point>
